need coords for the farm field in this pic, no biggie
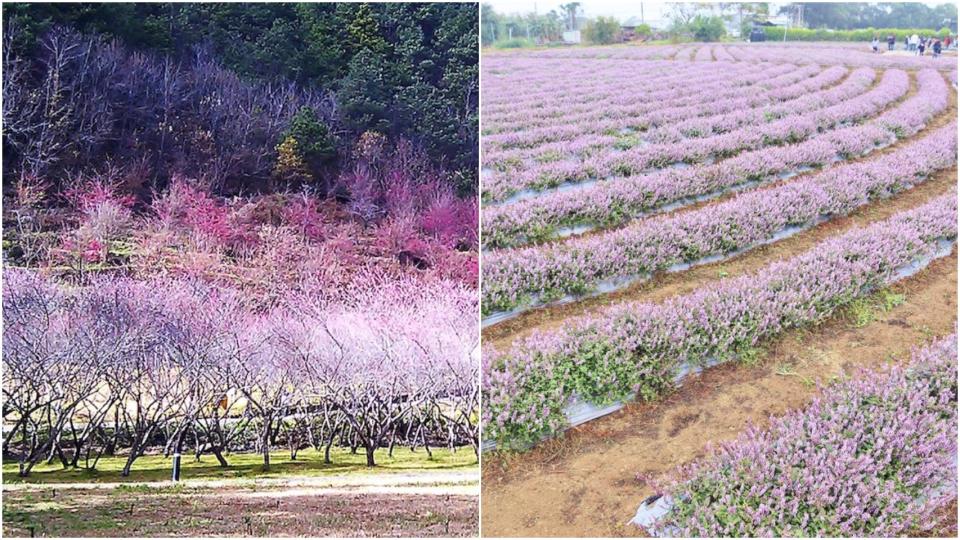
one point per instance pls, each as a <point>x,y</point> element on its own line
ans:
<point>691,264</point>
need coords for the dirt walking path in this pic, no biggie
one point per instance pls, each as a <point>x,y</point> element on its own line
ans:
<point>366,481</point>
<point>376,504</point>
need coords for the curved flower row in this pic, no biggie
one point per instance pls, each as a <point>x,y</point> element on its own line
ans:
<point>791,93</point>
<point>524,101</point>
<point>517,79</point>
<point>608,203</point>
<point>574,83</point>
<point>721,54</point>
<point>672,93</point>
<point>847,54</point>
<point>875,456</point>
<point>618,126</point>
<point>892,86</point>
<point>811,96</point>
<point>571,267</point>
<point>856,55</point>
<point>636,349</point>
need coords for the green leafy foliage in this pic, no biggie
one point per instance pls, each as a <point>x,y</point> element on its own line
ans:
<point>602,31</point>
<point>707,28</point>
<point>315,144</point>
<point>864,35</point>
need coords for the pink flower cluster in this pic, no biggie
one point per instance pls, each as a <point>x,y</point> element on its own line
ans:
<point>875,456</point>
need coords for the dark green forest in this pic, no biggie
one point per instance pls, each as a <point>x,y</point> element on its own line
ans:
<point>407,71</point>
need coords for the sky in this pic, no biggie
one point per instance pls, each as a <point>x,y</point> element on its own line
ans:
<point>621,9</point>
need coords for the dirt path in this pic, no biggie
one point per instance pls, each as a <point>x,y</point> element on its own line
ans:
<point>378,504</point>
<point>584,483</point>
<point>365,481</point>
<point>108,513</point>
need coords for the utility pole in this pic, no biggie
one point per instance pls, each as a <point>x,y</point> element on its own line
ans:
<point>176,458</point>
<point>176,467</point>
<point>642,20</point>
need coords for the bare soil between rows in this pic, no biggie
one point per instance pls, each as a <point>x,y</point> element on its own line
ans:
<point>584,482</point>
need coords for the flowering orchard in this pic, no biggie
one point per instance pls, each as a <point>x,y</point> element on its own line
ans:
<point>123,363</point>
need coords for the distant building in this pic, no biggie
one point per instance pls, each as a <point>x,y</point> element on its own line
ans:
<point>758,32</point>
<point>571,36</point>
<point>628,28</point>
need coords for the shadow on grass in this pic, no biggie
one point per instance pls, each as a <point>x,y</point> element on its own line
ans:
<point>155,468</point>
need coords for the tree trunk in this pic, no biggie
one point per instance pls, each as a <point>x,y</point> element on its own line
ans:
<point>426,445</point>
<point>266,443</point>
<point>112,443</point>
<point>7,440</point>
<point>218,453</point>
<point>370,461</point>
<point>130,459</point>
<point>326,451</point>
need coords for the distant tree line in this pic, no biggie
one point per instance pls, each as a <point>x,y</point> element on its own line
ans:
<point>337,70</point>
<point>533,27</point>
<point>776,33</point>
<point>856,15</point>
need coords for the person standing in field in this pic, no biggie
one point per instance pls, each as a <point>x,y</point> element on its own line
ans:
<point>921,46</point>
<point>875,44</point>
<point>937,48</point>
<point>891,41</point>
<point>914,42</point>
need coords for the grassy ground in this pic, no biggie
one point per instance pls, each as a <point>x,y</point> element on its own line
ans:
<point>409,495</point>
<point>309,463</point>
